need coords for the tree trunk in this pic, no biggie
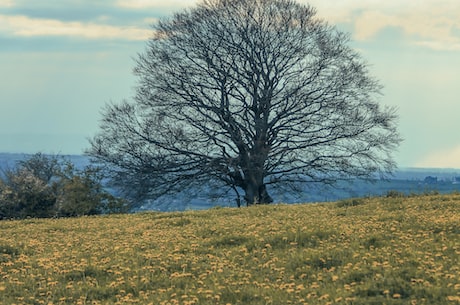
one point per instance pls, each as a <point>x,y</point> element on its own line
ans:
<point>256,193</point>
<point>264,197</point>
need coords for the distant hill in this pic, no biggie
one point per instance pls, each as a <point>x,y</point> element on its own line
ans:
<point>412,173</point>
<point>9,160</point>
<point>405,180</point>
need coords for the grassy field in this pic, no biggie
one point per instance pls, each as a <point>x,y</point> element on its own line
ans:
<point>358,251</point>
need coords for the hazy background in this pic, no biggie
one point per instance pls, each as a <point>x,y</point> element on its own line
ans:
<point>61,61</point>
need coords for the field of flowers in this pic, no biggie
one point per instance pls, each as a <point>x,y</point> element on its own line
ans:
<point>401,250</point>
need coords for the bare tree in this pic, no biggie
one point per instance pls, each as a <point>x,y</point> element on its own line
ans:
<point>247,94</point>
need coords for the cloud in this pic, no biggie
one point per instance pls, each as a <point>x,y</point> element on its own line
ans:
<point>6,3</point>
<point>449,158</point>
<point>29,27</point>
<point>425,23</point>
<point>418,23</point>
<point>431,24</point>
<point>139,4</point>
<point>428,24</point>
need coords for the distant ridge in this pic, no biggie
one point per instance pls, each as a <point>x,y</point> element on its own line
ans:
<point>9,160</point>
<point>406,180</point>
<point>402,172</point>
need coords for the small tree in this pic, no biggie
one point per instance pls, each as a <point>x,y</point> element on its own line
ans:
<point>248,94</point>
<point>82,194</point>
<point>43,167</point>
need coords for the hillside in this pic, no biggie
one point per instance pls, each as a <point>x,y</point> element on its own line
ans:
<point>402,250</point>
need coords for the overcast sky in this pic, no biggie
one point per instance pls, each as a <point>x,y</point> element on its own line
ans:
<point>61,61</point>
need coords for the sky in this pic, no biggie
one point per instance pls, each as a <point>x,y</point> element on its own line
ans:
<point>62,61</point>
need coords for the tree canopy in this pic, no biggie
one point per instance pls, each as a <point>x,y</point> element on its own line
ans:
<point>249,95</point>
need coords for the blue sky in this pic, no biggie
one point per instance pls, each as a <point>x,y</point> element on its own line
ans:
<point>61,61</point>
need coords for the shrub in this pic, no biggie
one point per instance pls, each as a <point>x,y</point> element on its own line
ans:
<point>25,195</point>
<point>50,186</point>
<point>83,194</point>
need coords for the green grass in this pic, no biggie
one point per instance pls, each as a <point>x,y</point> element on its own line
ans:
<point>388,250</point>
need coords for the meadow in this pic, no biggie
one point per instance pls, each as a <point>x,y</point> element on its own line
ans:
<point>383,250</point>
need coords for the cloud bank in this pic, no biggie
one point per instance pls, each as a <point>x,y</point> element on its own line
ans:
<point>429,24</point>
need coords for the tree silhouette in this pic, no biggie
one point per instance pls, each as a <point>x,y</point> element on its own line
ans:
<point>247,94</point>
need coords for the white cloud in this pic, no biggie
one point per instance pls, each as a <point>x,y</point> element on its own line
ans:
<point>419,22</point>
<point>427,23</point>
<point>28,27</point>
<point>449,158</point>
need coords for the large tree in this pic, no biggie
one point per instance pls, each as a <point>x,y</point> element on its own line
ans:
<point>246,94</point>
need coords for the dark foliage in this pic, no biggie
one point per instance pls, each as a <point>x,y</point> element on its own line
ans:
<point>50,186</point>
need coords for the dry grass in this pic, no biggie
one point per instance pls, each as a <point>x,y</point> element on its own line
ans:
<point>366,251</point>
